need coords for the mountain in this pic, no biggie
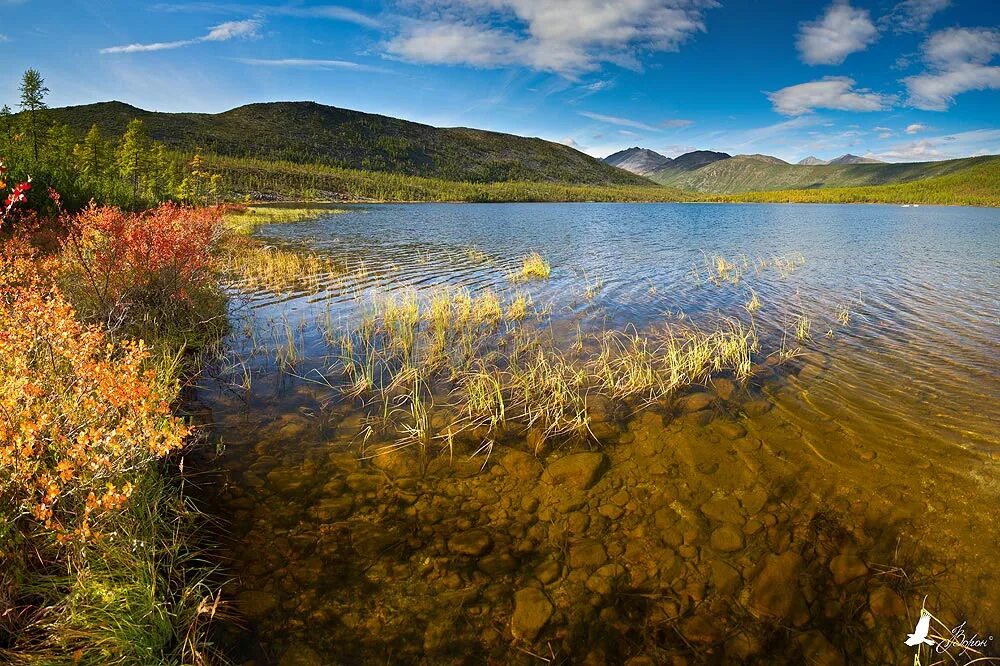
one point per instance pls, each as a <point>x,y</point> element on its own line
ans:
<point>640,161</point>
<point>694,160</point>
<point>811,161</point>
<point>311,133</point>
<point>748,174</point>
<point>770,159</point>
<point>854,159</point>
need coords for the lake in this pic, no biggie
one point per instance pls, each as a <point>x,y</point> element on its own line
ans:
<point>713,434</point>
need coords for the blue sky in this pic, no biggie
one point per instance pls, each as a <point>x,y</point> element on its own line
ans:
<point>901,80</point>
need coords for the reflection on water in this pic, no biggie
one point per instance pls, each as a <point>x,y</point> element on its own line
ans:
<point>800,516</point>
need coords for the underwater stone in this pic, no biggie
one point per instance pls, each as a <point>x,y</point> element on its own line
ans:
<point>472,542</point>
<point>579,471</point>
<point>846,568</point>
<point>776,592</point>
<point>532,611</point>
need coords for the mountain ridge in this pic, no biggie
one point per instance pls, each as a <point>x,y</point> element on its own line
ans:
<point>313,133</point>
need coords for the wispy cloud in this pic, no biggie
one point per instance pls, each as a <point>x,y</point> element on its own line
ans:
<point>307,63</point>
<point>223,32</point>
<point>833,92</point>
<point>333,12</point>
<point>674,123</point>
<point>912,15</point>
<point>841,31</point>
<point>915,128</point>
<point>568,37</point>
<point>617,120</point>
<point>958,60</point>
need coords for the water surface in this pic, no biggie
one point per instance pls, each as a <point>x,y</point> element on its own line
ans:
<point>801,516</point>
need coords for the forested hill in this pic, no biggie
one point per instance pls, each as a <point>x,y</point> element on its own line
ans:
<point>310,133</point>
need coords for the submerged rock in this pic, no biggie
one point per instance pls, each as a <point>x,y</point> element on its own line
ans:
<point>587,553</point>
<point>472,542</point>
<point>532,611</point>
<point>886,603</point>
<point>726,539</point>
<point>577,471</point>
<point>846,568</point>
<point>776,592</point>
<point>256,604</point>
<point>299,654</point>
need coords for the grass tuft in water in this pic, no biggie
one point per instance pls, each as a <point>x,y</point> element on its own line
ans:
<point>533,267</point>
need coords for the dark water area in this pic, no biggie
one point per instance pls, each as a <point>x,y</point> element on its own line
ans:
<point>802,515</point>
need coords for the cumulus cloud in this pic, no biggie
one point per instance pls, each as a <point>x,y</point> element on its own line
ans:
<point>568,37</point>
<point>915,128</point>
<point>832,92</point>
<point>841,31</point>
<point>958,60</point>
<point>568,141</point>
<point>616,120</point>
<point>221,33</point>
<point>913,15</point>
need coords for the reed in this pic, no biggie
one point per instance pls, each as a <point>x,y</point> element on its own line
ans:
<point>753,304</point>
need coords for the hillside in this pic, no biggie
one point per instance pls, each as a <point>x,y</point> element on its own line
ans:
<point>977,184</point>
<point>749,174</point>
<point>640,161</point>
<point>310,133</point>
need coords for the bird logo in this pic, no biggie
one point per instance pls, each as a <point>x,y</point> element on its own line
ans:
<point>919,635</point>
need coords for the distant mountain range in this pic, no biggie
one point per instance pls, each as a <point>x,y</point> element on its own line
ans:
<point>310,133</point>
<point>709,171</point>
<point>640,161</point>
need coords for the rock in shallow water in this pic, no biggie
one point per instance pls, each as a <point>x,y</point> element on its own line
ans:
<point>726,539</point>
<point>579,471</point>
<point>532,611</point>
<point>846,568</point>
<point>776,592</point>
<point>472,542</point>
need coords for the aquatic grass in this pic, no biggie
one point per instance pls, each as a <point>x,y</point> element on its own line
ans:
<point>843,314</point>
<point>803,328</point>
<point>533,267</point>
<point>246,220</point>
<point>517,308</point>
<point>253,266</point>
<point>753,304</point>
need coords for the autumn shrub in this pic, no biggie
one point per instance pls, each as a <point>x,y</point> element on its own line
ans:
<point>79,415</point>
<point>148,274</point>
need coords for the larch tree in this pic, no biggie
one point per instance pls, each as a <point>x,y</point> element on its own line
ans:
<point>132,155</point>
<point>91,153</point>
<point>33,92</point>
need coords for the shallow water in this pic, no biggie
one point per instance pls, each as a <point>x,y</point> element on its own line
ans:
<point>801,516</point>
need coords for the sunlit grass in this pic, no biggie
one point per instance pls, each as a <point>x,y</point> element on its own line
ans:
<point>246,220</point>
<point>533,267</point>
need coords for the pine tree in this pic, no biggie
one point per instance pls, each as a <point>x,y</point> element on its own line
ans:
<point>132,155</point>
<point>33,92</point>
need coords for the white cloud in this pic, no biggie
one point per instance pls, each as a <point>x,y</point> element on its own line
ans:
<point>841,31</point>
<point>568,37</point>
<point>958,61</point>
<point>913,15</point>
<point>915,128</point>
<point>568,141</point>
<point>832,92</point>
<point>673,123</point>
<point>307,63</point>
<point>221,33</point>
<point>4,38</point>
<point>616,120</point>
<point>946,147</point>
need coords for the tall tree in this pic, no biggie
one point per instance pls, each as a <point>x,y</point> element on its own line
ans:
<point>91,153</point>
<point>33,92</point>
<point>7,122</point>
<point>132,155</point>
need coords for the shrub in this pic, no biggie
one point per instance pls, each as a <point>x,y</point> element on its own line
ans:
<point>80,415</point>
<point>146,274</point>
